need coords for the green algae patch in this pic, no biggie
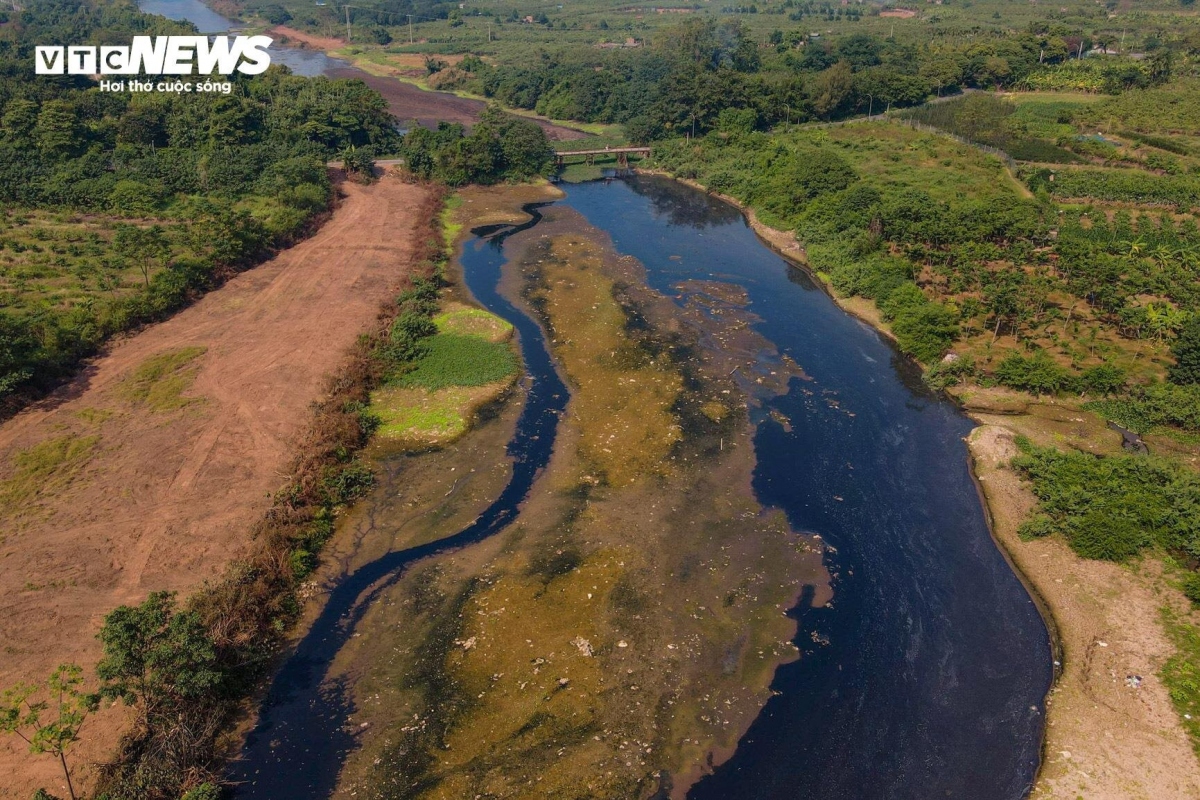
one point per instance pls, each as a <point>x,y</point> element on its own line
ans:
<point>46,467</point>
<point>624,394</point>
<point>466,321</point>
<point>467,365</point>
<point>160,381</point>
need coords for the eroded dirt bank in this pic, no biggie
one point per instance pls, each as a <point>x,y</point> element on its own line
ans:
<point>1112,733</point>
<point>149,471</point>
<point>621,635</point>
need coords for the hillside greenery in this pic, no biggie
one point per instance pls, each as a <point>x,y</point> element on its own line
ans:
<point>119,208</point>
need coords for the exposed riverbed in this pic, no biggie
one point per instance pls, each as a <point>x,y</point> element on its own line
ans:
<point>727,424</point>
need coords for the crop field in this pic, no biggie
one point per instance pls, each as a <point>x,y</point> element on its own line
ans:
<point>508,30</point>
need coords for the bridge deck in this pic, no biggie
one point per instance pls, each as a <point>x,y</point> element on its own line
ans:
<point>601,152</point>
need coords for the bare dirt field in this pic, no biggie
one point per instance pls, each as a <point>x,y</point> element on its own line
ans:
<point>1107,737</point>
<point>149,471</point>
<point>410,102</point>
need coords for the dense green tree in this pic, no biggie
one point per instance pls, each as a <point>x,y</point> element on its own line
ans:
<point>57,129</point>
<point>1186,350</point>
<point>157,658</point>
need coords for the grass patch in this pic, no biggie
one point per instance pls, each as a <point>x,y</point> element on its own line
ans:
<point>450,228</point>
<point>46,467</point>
<point>473,322</point>
<point>160,381</point>
<point>420,415</point>
<point>1181,673</point>
<point>453,359</point>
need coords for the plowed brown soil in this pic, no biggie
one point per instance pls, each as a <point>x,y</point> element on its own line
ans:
<point>169,492</point>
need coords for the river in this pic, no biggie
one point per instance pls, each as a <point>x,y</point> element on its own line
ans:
<point>926,675</point>
<point>933,681</point>
<point>407,102</point>
<point>309,63</point>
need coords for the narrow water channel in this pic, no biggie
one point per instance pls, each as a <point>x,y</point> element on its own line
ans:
<point>300,741</point>
<point>925,677</point>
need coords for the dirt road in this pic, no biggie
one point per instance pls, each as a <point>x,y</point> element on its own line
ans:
<point>149,470</point>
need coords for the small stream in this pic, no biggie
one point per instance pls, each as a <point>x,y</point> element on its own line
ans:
<point>300,741</point>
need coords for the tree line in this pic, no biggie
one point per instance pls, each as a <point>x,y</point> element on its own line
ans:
<point>230,177</point>
<point>691,73</point>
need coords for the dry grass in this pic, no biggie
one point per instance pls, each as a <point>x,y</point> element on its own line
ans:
<point>46,468</point>
<point>160,381</point>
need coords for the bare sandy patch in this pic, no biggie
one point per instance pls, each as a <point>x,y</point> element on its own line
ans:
<point>301,39</point>
<point>170,445</point>
<point>1112,731</point>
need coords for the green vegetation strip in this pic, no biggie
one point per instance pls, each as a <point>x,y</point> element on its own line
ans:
<point>456,360</point>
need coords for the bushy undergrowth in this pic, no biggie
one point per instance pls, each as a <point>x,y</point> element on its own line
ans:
<point>1121,185</point>
<point>1150,407</point>
<point>1112,508</point>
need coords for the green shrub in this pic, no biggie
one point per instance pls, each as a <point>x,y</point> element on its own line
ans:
<point>1112,508</point>
<point>1146,408</point>
<point>1191,587</point>
<point>1186,350</point>
<point>1037,373</point>
<point>344,484</point>
<point>455,360</point>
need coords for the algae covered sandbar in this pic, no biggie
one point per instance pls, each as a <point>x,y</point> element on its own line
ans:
<point>623,632</point>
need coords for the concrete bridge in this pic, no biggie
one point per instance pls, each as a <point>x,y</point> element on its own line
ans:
<point>589,156</point>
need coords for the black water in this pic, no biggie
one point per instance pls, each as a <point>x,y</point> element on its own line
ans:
<point>937,662</point>
<point>300,741</point>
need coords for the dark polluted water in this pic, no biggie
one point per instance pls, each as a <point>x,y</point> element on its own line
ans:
<point>925,676</point>
<point>300,742</point>
<point>308,63</point>
<point>937,663</point>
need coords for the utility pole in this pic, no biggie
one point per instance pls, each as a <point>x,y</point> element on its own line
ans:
<point>410,30</point>
<point>489,30</point>
<point>348,23</point>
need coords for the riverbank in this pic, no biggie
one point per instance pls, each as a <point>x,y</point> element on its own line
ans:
<point>787,245</point>
<point>407,98</point>
<point>1108,618</point>
<point>154,467</point>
